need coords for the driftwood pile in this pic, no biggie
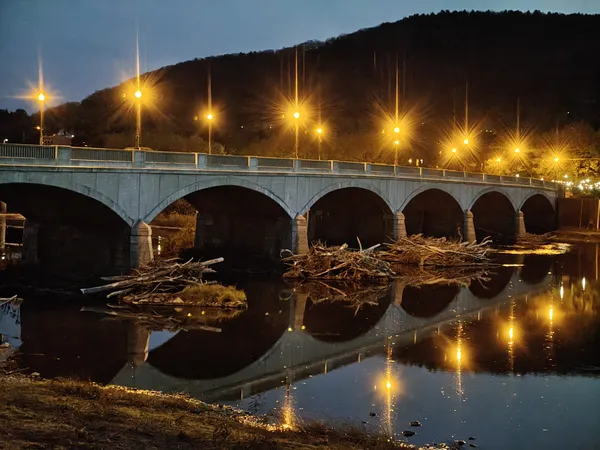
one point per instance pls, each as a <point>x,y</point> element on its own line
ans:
<point>414,256</point>
<point>169,282</point>
<point>338,263</point>
<point>440,252</point>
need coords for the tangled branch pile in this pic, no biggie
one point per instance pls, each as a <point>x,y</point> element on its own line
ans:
<point>405,257</point>
<point>171,283</point>
<point>440,252</point>
<point>334,263</point>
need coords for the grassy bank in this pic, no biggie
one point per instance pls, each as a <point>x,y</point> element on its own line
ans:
<point>68,414</point>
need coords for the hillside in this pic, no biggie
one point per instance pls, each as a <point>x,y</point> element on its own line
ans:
<point>547,60</point>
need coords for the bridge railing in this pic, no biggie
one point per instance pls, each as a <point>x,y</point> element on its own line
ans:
<point>23,154</point>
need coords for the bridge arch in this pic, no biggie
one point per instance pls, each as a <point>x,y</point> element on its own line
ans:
<point>77,230</point>
<point>78,189</point>
<point>343,212</point>
<point>361,184</point>
<point>219,182</point>
<point>494,214</point>
<point>539,213</point>
<point>432,212</point>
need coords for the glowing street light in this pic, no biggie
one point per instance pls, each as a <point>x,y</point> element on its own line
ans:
<point>138,128</point>
<point>466,141</point>
<point>41,98</point>
<point>454,150</point>
<point>396,130</point>
<point>210,118</point>
<point>517,150</point>
<point>498,160</point>
<point>296,115</point>
<point>556,159</point>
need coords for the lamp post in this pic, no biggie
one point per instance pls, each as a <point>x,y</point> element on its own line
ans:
<point>296,129</point>
<point>396,143</point>
<point>319,136</point>
<point>138,130</point>
<point>41,98</point>
<point>209,117</point>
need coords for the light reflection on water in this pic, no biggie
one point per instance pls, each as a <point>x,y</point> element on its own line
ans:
<point>513,363</point>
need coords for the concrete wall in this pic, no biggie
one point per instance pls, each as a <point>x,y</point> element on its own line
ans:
<point>578,213</point>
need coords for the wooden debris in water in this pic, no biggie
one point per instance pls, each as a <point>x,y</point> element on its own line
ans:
<point>440,252</point>
<point>171,283</point>
<point>338,263</point>
<point>389,261</point>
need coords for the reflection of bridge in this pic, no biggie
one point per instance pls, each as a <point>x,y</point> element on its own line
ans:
<point>303,353</point>
<point>93,206</point>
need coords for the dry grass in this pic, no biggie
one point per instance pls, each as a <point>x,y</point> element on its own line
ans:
<point>213,294</point>
<point>68,414</point>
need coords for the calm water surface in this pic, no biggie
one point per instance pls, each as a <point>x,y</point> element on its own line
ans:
<point>513,362</point>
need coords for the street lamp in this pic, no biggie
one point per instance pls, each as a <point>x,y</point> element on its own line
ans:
<point>396,143</point>
<point>466,141</point>
<point>138,131</point>
<point>454,150</point>
<point>209,117</point>
<point>41,98</point>
<point>517,150</point>
<point>319,135</point>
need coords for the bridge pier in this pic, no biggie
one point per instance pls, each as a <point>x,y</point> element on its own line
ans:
<point>140,245</point>
<point>469,227</point>
<point>2,226</point>
<point>299,235</point>
<point>399,225</point>
<point>520,230</point>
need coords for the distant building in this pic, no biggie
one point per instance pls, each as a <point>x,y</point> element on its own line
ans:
<point>60,138</point>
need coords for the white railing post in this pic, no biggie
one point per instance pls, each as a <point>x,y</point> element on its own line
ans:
<point>201,160</point>
<point>63,156</point>
<point>253,162</point>
<point>138,158</point>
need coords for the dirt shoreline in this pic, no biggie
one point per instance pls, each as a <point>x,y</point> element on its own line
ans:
<point>37,413</point>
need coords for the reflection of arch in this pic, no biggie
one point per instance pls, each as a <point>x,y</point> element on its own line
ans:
<point>339,322</point>
<point>429,300</point>
<point>74,188</point>
<point>218,182</point>
<point>433,212</point>
<point>535,268</point>
<point>539,214</point>
<point>361,184</point>
<point>66,342</point>
<point>206,355</point>
<point>494,286</point>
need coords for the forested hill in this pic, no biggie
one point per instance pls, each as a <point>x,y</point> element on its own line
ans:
<point>549,61</point>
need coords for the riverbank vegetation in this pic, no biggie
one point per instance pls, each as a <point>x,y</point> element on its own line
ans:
<point>71,414</point>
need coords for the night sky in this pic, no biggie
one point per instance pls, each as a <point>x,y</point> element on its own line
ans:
<point>87,45</point>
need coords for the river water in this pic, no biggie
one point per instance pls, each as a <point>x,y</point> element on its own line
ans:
<point>513,362</point>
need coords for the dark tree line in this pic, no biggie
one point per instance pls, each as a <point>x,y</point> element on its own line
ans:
<point>548,61</point>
